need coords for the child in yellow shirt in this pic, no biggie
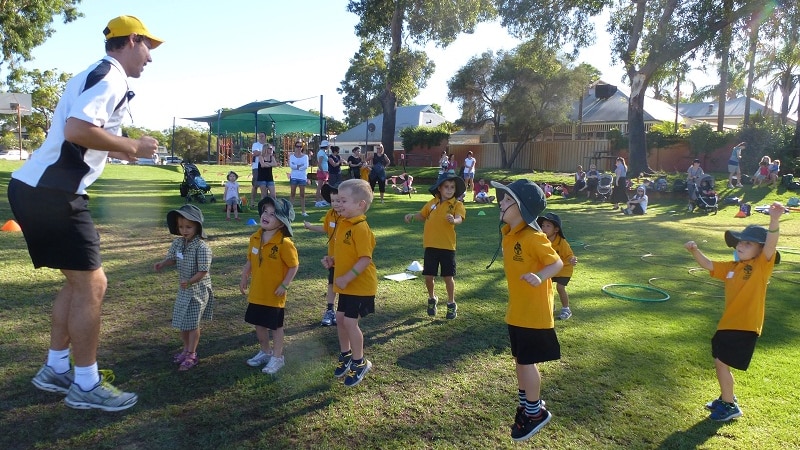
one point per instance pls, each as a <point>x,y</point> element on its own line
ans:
<point>530,262</point>
<point>271,265</point>
<point>550,224</point>
<point>746,279</point>
<point>441,215</point>
<point>329,193</point>
<point>355,277</point>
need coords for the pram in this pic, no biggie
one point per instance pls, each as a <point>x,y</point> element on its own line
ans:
<point>706,195</point>
<point>194,186</point>
<point>605,185</point>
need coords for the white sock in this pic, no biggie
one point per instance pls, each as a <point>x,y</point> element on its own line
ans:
<point>58,360</point>
<point>87,377</point>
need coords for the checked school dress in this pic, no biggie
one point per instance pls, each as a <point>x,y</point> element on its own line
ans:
<point>197,302</point>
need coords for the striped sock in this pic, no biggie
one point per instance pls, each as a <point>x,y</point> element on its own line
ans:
<point>533,408</point>
<point>521,394</point>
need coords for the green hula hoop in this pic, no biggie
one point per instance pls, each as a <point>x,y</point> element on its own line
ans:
<point>710,283</point>
<point>636,299</point>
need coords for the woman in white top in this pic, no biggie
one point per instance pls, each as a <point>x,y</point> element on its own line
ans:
<point>298,162</point>
<point>469,171</point>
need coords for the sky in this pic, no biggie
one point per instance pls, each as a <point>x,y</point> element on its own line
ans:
<point>225,54</point>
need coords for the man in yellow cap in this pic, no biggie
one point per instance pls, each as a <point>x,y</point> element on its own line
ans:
<point>49,200</point>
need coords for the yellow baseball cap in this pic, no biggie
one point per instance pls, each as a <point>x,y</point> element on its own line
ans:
<point>127,25</point>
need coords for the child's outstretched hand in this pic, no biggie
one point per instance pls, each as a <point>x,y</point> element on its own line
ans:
<point>691,246</point>
<point>327,262</point>
<point>573,260</point>
<point>776,210</point>
<point>532,279</point>
<point>408,218</point>
<point>450,218</point>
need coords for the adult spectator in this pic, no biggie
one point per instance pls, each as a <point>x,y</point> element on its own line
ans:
<point>49,200</point>
<point>469,171</point>
<point>377,174</point>
<point>322,172</point>
<point>355,162</point>
<point>257,148</point>
<point>334,167</point>
<point>734,165</point>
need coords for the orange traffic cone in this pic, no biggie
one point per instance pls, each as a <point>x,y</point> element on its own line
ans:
<point>11,225</point>
<point>740,214</point>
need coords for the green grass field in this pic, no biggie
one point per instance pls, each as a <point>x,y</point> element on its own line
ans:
<point>633,375</point>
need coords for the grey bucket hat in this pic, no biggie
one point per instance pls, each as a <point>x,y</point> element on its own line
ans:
<point>189,212</point>
<point>751,233</point>
<point>283,211</point>
<point>528,195</point>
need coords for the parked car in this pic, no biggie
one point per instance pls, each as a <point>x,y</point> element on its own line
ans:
<point>14,154</point>
<point>148,161</point>
<point>117,161</point>
<point>172,160</point>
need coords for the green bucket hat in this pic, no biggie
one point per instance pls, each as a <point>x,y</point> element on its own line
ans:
<point>283,211</point>
<point>189,212</point>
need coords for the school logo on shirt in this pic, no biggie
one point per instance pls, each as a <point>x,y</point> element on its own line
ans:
<point>748,271</point>
<point>273,252</point>
<point>518,253</point>
<point>348,237</point>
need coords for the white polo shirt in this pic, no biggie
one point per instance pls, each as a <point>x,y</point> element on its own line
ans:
<point>98,95</point>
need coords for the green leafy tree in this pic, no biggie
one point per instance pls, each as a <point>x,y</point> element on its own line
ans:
<point>45,87</point>
<point>522,93</point>
<point>398,28</point>
<point>190,144</point>
<point>26,24</point>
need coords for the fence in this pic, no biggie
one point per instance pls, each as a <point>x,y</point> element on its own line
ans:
<point>557,156</point>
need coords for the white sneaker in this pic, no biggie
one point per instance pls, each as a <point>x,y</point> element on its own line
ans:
<point>102,396</point>
<point>274,365</point>
<point>259,358</point>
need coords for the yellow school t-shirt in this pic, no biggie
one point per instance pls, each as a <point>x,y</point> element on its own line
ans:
<point>562,247</point>
<point>269,264</point>
<point>438,232</point>
<point>353,239</point>
<point>745,292</point>
<point>329,225</point>
<point>527,250</point>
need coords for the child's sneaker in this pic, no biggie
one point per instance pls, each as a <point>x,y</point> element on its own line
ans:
<point>565,314</point>
<point>452,311</point>
<point>328,318</point>
<point>527,426</point>
<point>102,396</point>
<point>724,412</point>
<point>713,403</point>
<point>357,372</point>
<point>274,365</point>
<point>259,358</point>
<point>343,365</point>
<point>432,306</point>
<point>48,380</point>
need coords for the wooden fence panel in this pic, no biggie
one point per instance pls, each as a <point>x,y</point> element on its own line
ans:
<point>556,156</point>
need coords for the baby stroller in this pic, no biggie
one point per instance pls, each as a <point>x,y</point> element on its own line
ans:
<point>194,186</point>
<point>605,185</point>
<point>706,195</point>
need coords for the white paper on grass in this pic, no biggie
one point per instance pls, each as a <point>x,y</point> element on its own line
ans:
<point>400,276</point>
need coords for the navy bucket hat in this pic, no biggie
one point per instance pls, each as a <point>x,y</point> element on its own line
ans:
<point>554,219</point>
<point>461,186</point>
<point>188,212</point>
<point>528,195</point>
<point>751,233</point>
<point>328,189</point>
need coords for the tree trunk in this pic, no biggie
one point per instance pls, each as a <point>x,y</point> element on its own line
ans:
<point>637,139</point>
<point>725,55</point>
<point>751,69</point>
<point>389,105</point>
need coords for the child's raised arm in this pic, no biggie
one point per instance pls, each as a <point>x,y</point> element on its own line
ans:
<point>698,255</point>
<point>776,210</point>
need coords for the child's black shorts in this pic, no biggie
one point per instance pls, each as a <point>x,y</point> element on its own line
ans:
<point>561,280</point>
<point>734,347</point>
<point>534,345</point>
<point>355,306</point>
<point>264,316</point>
<point>57,226</point>
<point>434,257</point>
<point>330,275</point>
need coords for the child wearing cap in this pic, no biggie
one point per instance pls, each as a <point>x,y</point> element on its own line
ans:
<point>195,301</point>
<point>550,224</point>
<point>231,195</point>
<point>271,265</point>
<point>638,204</point>
<point>355,277</point>
<point>530,262</point>
<point>441,215</point>
<point>329,193</point>
<point>746,279</point>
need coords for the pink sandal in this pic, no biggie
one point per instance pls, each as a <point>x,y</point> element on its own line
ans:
<point>179,357</point>
<point>189,361</point>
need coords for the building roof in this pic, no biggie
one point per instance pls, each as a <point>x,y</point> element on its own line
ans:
<point>615,108</point>
<point>407,116</point>
<point>734,110</point>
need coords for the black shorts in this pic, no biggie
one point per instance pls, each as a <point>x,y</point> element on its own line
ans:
<point>734,347</point>
<point>355,306</point>
<point>330,275</point>
<point>561,280</point>
<point>57,227</point>
<point>434,257</point>
<point>533,345</point>
<point>264,316</point>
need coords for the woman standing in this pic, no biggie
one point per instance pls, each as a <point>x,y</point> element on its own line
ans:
<point>266,162</point>
<point>355,163</point>
<point>298,162</point>
<point>619,194</point>
<point>377,174</point>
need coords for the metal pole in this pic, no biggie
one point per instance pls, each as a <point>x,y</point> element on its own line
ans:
<point>173,137</point>
<point>321,120</point>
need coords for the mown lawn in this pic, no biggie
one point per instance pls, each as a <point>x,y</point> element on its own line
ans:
<point>633,375</point>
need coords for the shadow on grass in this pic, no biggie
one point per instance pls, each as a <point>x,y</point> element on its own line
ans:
<point>693,437</point>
